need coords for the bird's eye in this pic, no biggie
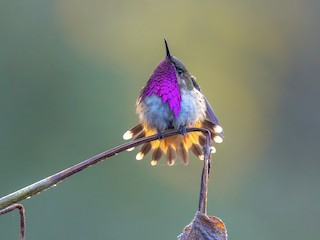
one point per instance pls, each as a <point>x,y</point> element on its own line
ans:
<point>179,71</point>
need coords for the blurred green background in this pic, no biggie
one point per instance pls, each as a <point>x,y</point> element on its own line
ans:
<point>70,72</point>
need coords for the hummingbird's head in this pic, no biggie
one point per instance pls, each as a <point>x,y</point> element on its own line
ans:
<point>167,80</point>
<point>180,67</point>
<point>181,70</point>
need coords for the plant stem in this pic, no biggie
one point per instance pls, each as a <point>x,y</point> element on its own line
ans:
<point>203,196</point>
<point>52,180</point>
<point>22,217</point>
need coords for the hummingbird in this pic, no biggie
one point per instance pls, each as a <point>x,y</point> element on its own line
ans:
<point>172,99</point>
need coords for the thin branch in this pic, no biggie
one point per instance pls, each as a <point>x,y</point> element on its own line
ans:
<point>22,217</point>
<point>203,196</point>
<point>50,181</point>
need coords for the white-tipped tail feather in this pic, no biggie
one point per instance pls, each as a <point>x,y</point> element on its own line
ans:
<point>127,135</point>
<point>213,149</point>
<point>139,156</point>
<point>132,132</point>
<point>130,149</point>
<point>154,162</point>
<point>217,129</point>
<point>218,139</point>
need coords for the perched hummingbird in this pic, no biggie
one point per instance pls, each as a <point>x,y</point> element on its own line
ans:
<point>172,99</point>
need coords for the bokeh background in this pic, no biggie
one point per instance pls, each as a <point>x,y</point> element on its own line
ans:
<point>70,72</point>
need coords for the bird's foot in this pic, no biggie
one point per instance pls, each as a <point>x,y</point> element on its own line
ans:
<point>183,130</point>
<point>160,136</point>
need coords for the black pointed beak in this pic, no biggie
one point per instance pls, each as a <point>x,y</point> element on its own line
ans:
<point>167,49</point>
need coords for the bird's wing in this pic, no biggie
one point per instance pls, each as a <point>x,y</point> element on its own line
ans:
<point>209,111</point>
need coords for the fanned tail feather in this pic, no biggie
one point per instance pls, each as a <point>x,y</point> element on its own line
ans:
<point>156,155</point>
<point>196,150</point>
<point>145,149</point>
<point>215,129</point>
<point>140,135</point>
<point>171,155</point>
<point>132,132</point>
<point>183,153</point>
<point>202,140</point>
<point>175,146</point>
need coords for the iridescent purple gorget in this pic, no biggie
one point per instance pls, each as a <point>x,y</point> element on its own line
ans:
<point>164,83</point>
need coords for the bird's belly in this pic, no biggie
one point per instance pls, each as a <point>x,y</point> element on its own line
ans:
<point>153,112</point>
<point>193,108</point>
<point>156,114</point>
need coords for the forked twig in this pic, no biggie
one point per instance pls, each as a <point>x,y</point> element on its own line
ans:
<point>9,202</point>
<point>204,227</point>
<point>22,217</point>
<point>50,181</point>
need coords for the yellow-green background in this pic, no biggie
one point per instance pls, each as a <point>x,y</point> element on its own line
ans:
<point>70,72</point>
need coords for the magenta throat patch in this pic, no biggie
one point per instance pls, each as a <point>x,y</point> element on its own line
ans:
<point>164,83</point>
